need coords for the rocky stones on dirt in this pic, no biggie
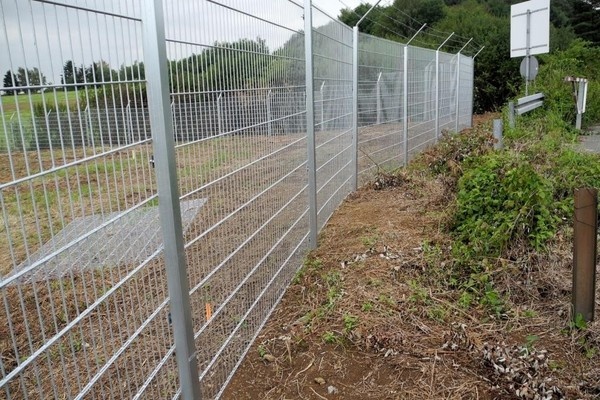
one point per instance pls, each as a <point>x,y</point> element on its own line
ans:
<point>332,389</point>
<point>269,358</point>
<point>319,380</point>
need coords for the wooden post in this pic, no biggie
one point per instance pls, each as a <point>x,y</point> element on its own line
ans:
<point>584,253</point>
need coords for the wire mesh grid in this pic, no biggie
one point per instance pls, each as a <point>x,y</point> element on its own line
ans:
<point>465,97</point>
<point>447,91</point>
<point>332,55</point>
<point>421,94</point>
<point>82,284</point>
<point>83,277</point>
<point>380,110</point>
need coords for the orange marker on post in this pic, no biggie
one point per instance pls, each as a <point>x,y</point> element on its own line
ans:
<point>208,308</point>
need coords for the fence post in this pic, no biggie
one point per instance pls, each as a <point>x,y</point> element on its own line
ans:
<point>378,96</point>
<point>458,84</point>
<point>457,108</point>
<point>584,253</point>
<point>511,114</point>
<point>322,92</point>
<point>310,125</point>
<point>405,104</point>
<point>498,126</point>
<point>90,126</point>
<point>269,123</point>
<point>155,58</point>
<point>219,120</point>
<point>437,88</point>
<point>355,108</point>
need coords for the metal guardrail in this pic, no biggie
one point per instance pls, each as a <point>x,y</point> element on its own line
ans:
<point>528,103</point>
<point>524,105</point>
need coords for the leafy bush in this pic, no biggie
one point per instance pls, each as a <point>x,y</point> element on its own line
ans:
<point>502,200</point>
<point>572,170</point>
<point>579,60</point>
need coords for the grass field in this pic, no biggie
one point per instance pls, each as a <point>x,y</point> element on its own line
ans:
<point>15,108</point>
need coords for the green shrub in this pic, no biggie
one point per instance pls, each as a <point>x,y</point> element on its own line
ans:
<point>579,60</point>
<point>501,201</point>
<point>571,170</point>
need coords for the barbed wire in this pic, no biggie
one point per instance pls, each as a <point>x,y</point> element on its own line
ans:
<point>438,35</point>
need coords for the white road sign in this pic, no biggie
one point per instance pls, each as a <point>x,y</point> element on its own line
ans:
<point>530,28</point>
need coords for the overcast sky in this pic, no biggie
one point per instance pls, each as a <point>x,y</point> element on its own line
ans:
<point>38,34</point>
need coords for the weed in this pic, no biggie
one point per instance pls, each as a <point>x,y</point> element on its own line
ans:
<point>367,306</point>
<point>437,313</point>
<point>530,341</point>
<point>375,282</point>
<point>333,278</point>
<point>350,323</point>
<point>579,323</point>
<point>432,253</point>
<point>491,299</point>
<point>465,300</point>
<point>330,338</point>
<point>500,201</point>
<point>261,351</point>
<point>310,265</point>
<point>333,295</point>
<point>387,300</point>
<point>555,365</point>
<point>419,293</point>
<point>369,241</point>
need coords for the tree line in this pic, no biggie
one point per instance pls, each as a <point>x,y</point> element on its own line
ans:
<point>22,79</point>
<point>488,23</point>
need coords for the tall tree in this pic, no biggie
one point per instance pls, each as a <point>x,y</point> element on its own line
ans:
<point>99,72</point>
<point>30,77</point>
<point>10,82</point>
<point>72,74</point>
<point>586,20</point>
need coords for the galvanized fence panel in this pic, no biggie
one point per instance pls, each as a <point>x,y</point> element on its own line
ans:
<point>421,99</point>
<point>380,105</point>
<point>447,92</point>
<point>247,168</point>
<point>83,276</point>
<point>332,55</point>
<point>465,97</point>
<point>83,284</point>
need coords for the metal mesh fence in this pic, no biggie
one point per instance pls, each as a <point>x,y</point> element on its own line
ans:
<point>90,305</point>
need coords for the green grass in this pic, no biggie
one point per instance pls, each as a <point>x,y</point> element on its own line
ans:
<point>21,107</point>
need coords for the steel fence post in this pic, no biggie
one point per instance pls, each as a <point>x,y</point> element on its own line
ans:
<point>437,87</point>
<point>354,108</point>
<point>219,116</point>
<point>322,92</point>
<point>405,104</point>
<point>405,99</point>
<point>155,57</point>
<point>437,94</point>
<point>310,125</point>
<point>458,83</point>
<point>378,98</point>
<point>457,108</point>
<point>269,122</point>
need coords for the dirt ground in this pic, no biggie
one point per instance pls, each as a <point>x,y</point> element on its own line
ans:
<point>368,318</point>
